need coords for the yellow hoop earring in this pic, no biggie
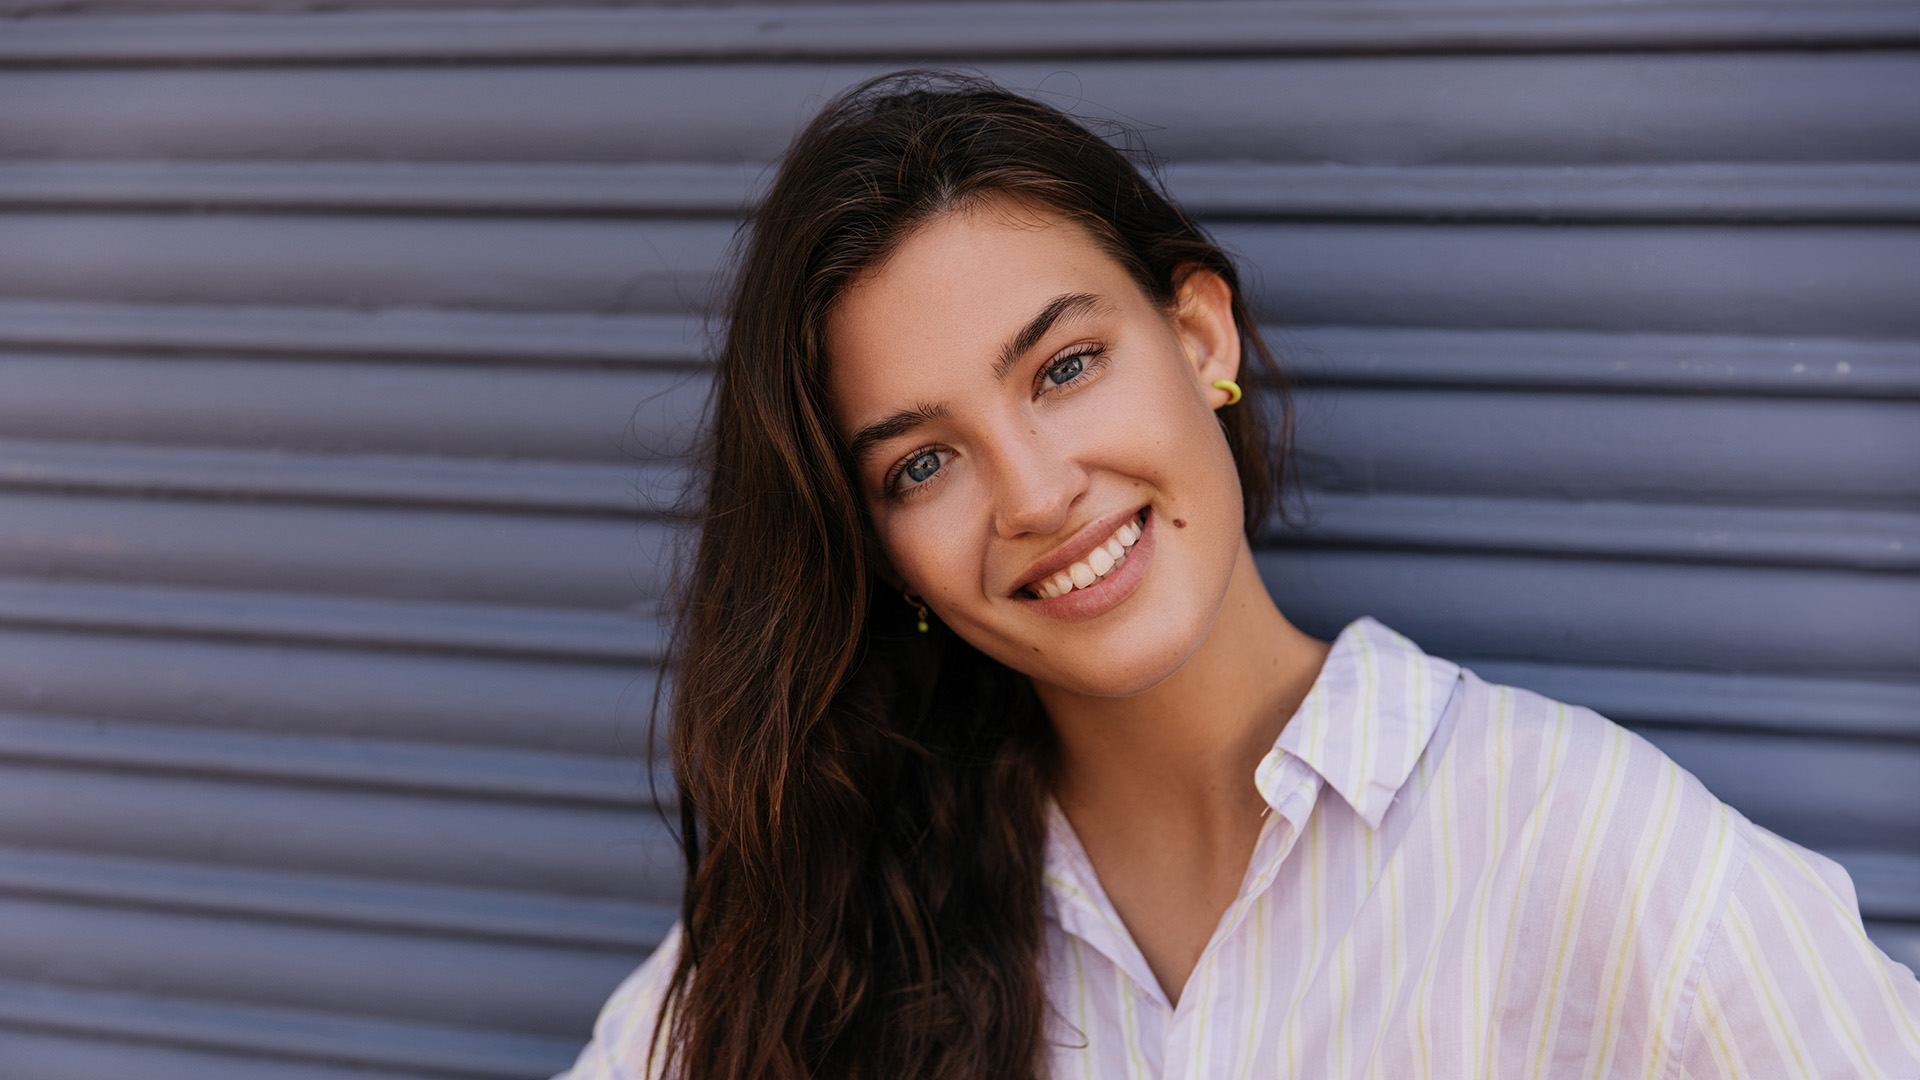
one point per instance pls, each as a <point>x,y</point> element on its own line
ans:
<point>920,610</point>
<point>1232,388</point>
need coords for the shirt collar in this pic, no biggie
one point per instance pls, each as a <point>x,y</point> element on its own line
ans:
<point>1366,720</point>
<point>1360,730</point>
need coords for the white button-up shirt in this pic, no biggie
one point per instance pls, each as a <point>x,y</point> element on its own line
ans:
<point>1457,879</point>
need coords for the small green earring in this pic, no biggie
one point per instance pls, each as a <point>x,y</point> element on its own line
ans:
<point>1232,388</point>
<point>920,608</point>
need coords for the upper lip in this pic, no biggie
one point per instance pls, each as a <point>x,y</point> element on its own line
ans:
<point>1075,548</point>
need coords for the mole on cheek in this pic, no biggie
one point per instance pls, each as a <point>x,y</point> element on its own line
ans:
<point>1179,523</point>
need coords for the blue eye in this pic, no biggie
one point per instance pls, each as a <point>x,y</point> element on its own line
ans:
<point>907,477</point>
<point>922,467</point>
<point>1066,370</point>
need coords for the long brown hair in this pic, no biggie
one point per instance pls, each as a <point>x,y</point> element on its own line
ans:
<point>862,806</point>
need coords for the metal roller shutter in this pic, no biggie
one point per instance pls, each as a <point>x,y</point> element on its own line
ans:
<point>343,352</point>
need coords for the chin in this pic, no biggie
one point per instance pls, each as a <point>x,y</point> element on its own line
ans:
<point>1132,660</point>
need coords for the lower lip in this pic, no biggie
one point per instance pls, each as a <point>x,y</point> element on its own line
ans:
<point>1104,595</point>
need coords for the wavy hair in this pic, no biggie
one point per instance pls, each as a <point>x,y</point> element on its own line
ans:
<point>862,807</point>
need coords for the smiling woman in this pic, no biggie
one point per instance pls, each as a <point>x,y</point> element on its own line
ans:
<point>1024,496</point>
<point>998,759</point>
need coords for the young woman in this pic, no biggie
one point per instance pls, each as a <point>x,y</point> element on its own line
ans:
<point>997,760</point>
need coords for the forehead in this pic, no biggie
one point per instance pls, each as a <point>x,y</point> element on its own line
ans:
<point>951,294</point>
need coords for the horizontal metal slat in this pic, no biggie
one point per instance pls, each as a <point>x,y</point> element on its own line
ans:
<point>417,333</point>
<point>1768,191</point>
<point>1627,448</point>
<point>1791,622</point>
<point>322,900</point>
<point>88,1053</point>
<point>1736,279</point>
<point>1899,940</point>
<point>475,628</point>
<point>1888,882</point>
<point>413,480</point>
<point>1093,28</point>
<point>1652,697</point>
<point>654,188</point>
<point>557,415</point>
<point>1561,109</point>
<point>348,1044</point>
<point>595,563</point>
<point>550,705</point>
<point>1681,363</point>
<point>503,263</point>
<point>1795,366</point>
<point>1824,793</point>
<point>1755,536</point>
<point>563,848</point>
<point>432,187</point>
<point>1735,191</point>
<point>506,988</point>
<point>1832,280</point>
<point>417,768</point>
<point>1836,280</point>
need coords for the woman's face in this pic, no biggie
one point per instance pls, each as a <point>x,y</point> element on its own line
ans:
<point>1035,440</point>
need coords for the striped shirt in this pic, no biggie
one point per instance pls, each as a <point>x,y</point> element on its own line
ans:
<point>1457,879</point>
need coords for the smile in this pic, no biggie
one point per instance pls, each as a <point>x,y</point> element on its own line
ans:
<point>1104,559</point>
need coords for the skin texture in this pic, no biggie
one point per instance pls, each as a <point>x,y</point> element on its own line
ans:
<point>1165,689</point>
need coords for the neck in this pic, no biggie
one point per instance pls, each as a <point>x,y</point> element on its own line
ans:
<point>1182,755</point>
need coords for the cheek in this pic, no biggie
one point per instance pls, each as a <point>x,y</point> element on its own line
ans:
<point>1169,435</point>
<point>930,552</point>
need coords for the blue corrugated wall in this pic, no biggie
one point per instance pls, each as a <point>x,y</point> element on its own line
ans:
<point>345,354</point>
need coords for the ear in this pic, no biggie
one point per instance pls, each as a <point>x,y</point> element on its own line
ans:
<point>1203,320</point>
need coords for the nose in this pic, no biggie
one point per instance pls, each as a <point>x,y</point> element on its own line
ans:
<point>1037,480</point>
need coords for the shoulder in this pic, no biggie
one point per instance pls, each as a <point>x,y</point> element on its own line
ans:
<point>1625,882</point>
<point>623,1036</point>
<point>1606,848</point>
<point>1576,775</point>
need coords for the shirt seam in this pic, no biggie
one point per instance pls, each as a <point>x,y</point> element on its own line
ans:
<point>1677,1056</point>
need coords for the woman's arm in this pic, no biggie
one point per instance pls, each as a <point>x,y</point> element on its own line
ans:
<point>1793,987</point>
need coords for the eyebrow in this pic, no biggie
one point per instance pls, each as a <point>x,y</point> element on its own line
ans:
<point>892,426</point>
<point>1066,305</point>
<point>895,424</point>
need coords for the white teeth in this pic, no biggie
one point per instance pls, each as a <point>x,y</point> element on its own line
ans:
<point>1098,563</point>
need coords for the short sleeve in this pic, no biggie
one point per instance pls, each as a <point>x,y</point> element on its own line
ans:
<point>623,1033</point>
<point>1793,987</point>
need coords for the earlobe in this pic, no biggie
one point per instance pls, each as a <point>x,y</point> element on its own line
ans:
<point>1203,317</point>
